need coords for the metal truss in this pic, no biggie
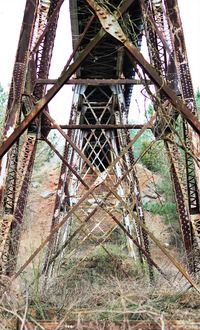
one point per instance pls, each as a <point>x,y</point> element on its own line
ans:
<point>31,63</point>
<point>178,75</point>
<point>98,188</point>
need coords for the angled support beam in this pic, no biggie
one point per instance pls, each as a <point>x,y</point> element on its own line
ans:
<point>111,25</point>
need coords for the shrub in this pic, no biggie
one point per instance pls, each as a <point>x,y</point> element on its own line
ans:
<point>153,158</point>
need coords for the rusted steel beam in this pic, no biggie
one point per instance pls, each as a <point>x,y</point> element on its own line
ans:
<point>182,205</point>
<point>96,82</point>
<point>151,19</point>
<point>52,246</point>
<point>11,181</point>
<point>170,94</point>
<point>134,195</point>
<point>139,206</point>
<point>62,187</point>
<point>43,59</point>
<point>17,84</point>
<point>20,66</point>
<point>47,27</point>
<point>102,126</point>
<point>111,25</point>
<point>158,58</point>
<point>23,183</point>
<point>192,171</point>
<point>180,53</point>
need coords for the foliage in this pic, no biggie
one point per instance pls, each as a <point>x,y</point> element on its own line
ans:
<point>152,159</point>
<point>198,101</point>
<point>167,206</point>
<point>166,209</point>
<point>149,112</point>
<point>3,97</point>
<point>156,160</point>
<point>3,100</point>
<point>146,136</point>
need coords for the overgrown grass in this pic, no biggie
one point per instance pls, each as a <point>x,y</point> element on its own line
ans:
<point>93,280</point>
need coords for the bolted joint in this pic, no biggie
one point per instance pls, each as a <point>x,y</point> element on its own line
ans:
<point>108,21</point>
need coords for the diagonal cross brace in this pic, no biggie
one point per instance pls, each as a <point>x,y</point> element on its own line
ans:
<point>99,181</point>
<point>55,229</point>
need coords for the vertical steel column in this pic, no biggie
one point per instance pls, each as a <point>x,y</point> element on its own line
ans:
<point>129,223</point>
<point>9,163</point>
<point>24,172</point>
<point>191,139</point>
<point>135,193</point>
<point>17,86</point>
<point>42,58</point>
<point>163,62</point>
<point>40,66</point>
<point>63,193</point>
<point>181,201</point>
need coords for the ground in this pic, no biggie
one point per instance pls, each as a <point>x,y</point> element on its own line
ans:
<point>103,282</point>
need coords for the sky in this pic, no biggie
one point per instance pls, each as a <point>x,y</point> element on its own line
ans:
<point>11,14</point>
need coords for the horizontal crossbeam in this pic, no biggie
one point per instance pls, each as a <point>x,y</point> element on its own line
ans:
<point>96,82</point>
<point>102,126</point>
